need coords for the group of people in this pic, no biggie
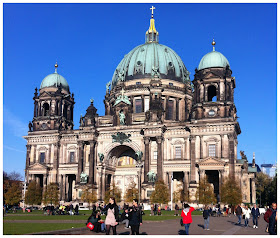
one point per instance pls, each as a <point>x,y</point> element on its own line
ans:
<point>131,217</point>
<point>62,210</point>
<point>155,210</point>
<point>270,217</point>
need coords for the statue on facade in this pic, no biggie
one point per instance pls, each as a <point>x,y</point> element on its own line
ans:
<point>101,157</point>
<point>139,156</point>
<point>243,156</point>
<point>122,117</point>
<point>30,126</point>
<point>83,178</point>
<point>108,87</point>
<point>151,176</point>
<point>155,73</point>
<point>82,123</point>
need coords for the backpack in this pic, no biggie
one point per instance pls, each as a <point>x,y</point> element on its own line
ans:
<point>267,214</point>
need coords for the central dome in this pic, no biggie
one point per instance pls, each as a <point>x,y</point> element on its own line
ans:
<point>150,58</point>
<point>143,59</point>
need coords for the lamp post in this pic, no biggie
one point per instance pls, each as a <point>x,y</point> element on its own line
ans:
<point>139,165</point>
<point>171,191</point>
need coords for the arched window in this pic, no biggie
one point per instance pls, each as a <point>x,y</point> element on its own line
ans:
<point>46,109</point>
<point>212,94</point>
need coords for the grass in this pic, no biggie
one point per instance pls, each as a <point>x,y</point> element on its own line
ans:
<point>28,228</point>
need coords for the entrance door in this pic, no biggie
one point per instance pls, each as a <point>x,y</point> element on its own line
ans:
<point>213,178</point>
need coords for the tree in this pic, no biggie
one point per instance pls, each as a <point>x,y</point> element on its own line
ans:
<point>131,192</point>
<point>51,194</point>
<point>263,182</point>
<point>14,194</point>
<point>33,196</point>
<point>8,181</point>
<point>161,193</point>
<point>205,192</point>
<point>180,195</point>
<point>114,191</point>
<point>89,195</point>
<point>231,192</point>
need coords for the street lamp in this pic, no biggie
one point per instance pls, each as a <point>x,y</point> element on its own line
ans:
<point>139,165</point>
<point>171,191</point>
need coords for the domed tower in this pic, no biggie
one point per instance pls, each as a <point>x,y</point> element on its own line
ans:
<point>151,83</point>
<point>53,107</point>
<point>215,112</point>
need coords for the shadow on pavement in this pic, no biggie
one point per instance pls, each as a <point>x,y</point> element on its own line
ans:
<point>128,233</point>
<point>235,223</point>
<point>200,225</point>
<point>181,232</point>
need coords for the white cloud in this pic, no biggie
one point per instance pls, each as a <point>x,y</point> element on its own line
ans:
<point>13,149</point>
<point>18,127</point>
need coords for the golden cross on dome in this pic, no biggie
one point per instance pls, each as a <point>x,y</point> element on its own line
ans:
<point>152,8</point>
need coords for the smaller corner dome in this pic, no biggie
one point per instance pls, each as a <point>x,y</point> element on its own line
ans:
<point>54,80</point>
<point>213,59</point>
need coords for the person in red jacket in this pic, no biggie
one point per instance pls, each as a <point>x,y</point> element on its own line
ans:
<point>187,216</point>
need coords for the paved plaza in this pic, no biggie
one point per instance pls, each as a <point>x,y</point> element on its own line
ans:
<point>218,226</point>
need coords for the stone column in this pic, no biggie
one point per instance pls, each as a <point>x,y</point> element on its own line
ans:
<point>147,158</point>
<point>166,107</point>
<point>159,158</point>
<point>201,173</point>
<point>201,147</point>
<point>28,149</point>
<point>186,181</point>
<point>169,181</point>
<point>80,159</point>
<point>231,156</point>
<point>253,190</point>
<point>34,154</point>
<point>186,109</point>
<point>222,154</point>
<point>220,182</point>
<point>100,185</point>
<point>56,160</point>
<point>193,159</point>
<point>142,98</point>
<point>103,183</point>
<point>91,162</point>
<point>177,109</point>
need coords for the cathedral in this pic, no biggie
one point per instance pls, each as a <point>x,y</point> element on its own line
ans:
<point>158,125</point>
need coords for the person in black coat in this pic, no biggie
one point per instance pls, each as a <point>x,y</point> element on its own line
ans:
<point>273,220</point>
<point>135,217</point>
<point>206,215</point>
<point>255,214</point>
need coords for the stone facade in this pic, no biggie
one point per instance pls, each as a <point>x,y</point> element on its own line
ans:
<point>152,123</point>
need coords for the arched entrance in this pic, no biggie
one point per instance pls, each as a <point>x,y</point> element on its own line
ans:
<point>123,171</point>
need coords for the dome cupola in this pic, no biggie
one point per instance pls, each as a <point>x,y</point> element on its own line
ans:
<point>149,59</point>
<point>55,80</point>
<point>213,59</point>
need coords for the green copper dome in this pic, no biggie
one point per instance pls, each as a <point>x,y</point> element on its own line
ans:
<point>54,80</point>
<point>150,59</point>
<point>213,59</point>
<point>144,59</point>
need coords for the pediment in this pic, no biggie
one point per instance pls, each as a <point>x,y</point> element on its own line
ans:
<point>38,166</point>
<point>45,94</point>
<point>211,75</point>
<point>211,161</point>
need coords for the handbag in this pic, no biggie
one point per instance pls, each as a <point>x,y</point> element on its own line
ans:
<point>181,222</point>
<point>90,226</point>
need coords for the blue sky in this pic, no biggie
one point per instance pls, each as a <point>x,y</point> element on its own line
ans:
<point>89,40</point>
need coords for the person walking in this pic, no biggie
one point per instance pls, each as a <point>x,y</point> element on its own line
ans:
<point>176,210</point>
<point>238,212</point>
<point>112,217</point>
<point>135,217</point>
<point>187,217</point>
<point>206,216</point>
<point>255,214</point>
<point>247,213</point>
<point>272,228</point>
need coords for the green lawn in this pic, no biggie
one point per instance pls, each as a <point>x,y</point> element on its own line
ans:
<point>27,228</point>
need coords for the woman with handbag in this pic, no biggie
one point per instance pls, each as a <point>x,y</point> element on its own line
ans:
<point>112,217</point>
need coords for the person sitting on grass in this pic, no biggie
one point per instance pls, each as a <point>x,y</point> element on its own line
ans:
<point>125,218</point>
<point>95,220</point>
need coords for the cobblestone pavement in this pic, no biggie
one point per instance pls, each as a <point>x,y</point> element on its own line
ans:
<point>218,226</point>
